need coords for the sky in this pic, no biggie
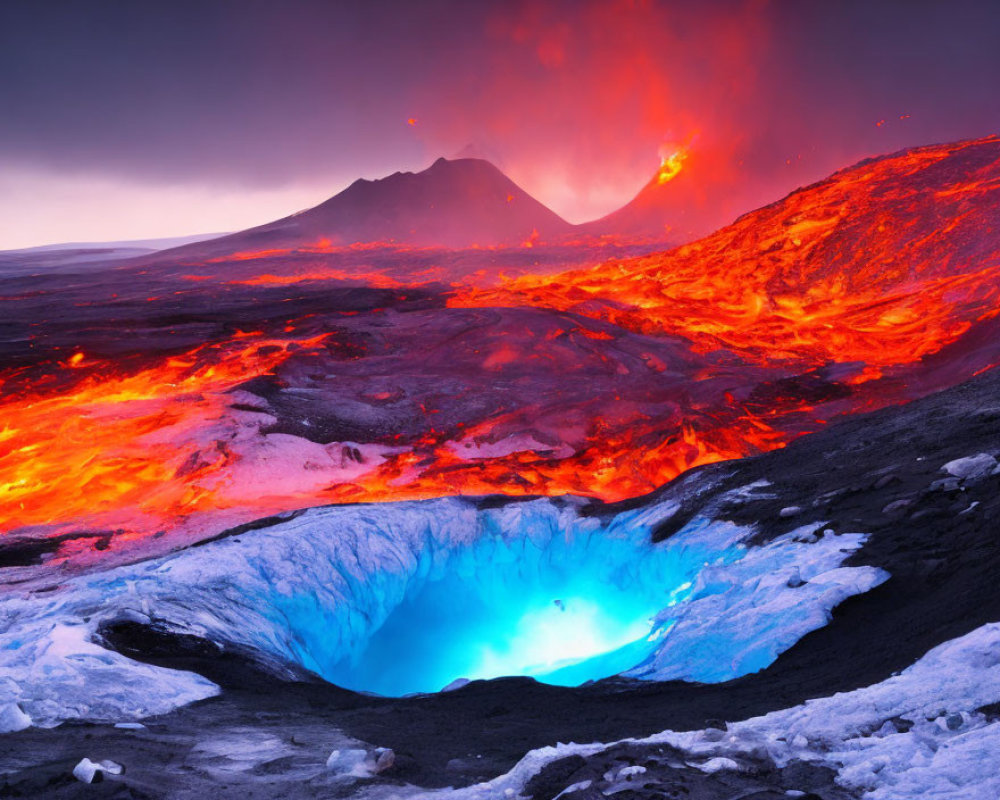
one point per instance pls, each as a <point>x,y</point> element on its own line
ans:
<point>124,120</point>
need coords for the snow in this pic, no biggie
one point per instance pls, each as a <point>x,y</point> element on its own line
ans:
<point>739,617</point>
<point>316,590</point>
<point>718,764</point>
<point>573,787</point>
<point>49,665</point>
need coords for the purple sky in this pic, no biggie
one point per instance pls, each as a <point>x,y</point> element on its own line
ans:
<point>128,120</point>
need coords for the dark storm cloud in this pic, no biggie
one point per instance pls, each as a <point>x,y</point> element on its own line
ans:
<point>251,91</point>
<point>271,93</point>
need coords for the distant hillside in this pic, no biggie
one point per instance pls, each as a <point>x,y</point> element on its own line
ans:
<point>451,204</point>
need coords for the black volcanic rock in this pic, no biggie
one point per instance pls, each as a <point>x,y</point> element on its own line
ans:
<point>456,203</point>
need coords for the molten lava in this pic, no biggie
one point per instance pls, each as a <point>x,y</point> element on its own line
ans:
<point>831,301</point>
<point>881,263</point>
<point>672,161</point>
<point>116,447</point>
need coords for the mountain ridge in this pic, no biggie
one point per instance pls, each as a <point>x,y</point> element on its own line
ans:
<point>453,203</point>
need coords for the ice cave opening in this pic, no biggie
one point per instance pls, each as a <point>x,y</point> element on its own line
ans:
<point>564,608</point>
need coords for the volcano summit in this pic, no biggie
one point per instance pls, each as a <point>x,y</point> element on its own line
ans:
<point>458,203</point>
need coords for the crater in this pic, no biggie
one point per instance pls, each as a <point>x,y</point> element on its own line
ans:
<point>564,609</point>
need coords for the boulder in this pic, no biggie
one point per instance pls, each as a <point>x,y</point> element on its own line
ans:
<point>971,468</point>
<point>360,763</point>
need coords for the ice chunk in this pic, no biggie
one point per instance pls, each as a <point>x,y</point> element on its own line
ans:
<point>13,718</point>
<point>718,764</point>
<point>87,771</point>
<point>359,763</point>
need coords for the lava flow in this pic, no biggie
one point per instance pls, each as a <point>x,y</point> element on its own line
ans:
<point>606,381</point>
<point>117,447</point>
<point>881,263</point>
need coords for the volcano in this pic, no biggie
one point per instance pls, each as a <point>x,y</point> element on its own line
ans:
<point>659,211</point>
<point>453,203</point>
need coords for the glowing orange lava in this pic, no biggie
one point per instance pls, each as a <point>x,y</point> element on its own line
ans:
<point>872,269</point>
<point>881,263</point>
<point>672,162</point>
<point>126,442</point>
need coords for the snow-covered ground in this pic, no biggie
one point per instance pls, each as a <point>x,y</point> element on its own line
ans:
<point>917,734</point>
<point>314,590</point>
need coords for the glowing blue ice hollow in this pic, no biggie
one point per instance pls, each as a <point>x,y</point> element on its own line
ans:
<point>563,604</point>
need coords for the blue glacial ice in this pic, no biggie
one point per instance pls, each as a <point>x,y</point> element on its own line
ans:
<point>408,597</point>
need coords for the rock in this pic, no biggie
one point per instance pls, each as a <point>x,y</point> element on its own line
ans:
<point>360,763</point>
<point>950,722</point>
<point>13,718</point>
<point>885,480</point>
<point>713,735</point>
<point>971,468</point>
<point>897,505</point>
<point>88,771</point>
<point>945,485</point>
<point>384,758</point>
<point>790,511</point>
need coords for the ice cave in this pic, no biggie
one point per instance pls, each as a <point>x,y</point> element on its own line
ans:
<point>573,609</point>
<point>526,590</point>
